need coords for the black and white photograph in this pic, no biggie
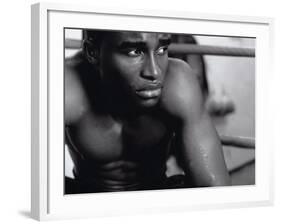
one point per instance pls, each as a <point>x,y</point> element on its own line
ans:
<point>157,111</point>
<point>146,112</point>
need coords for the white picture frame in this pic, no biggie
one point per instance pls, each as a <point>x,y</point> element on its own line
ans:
<point>48,200</point>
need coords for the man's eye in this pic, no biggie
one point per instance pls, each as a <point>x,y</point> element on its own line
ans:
<point>134,53</point>
<point>162,50</point>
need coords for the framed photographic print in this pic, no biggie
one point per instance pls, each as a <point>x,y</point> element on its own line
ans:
<point>148,111</point>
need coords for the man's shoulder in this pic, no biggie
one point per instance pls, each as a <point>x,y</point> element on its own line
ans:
<point>179,69</point>
<point>180,76</point>
<point>181,89</point>
<point>176,64</point>
<point>75,96</point>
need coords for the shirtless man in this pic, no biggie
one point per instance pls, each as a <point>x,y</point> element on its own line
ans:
<point>126,105</point>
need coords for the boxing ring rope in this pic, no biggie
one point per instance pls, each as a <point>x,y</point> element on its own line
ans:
<point>211,50</point>
<point>72,44</point>
<point>237,141</point>
<point>189,49</point>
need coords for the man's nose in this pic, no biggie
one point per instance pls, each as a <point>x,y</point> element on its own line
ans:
<point>151,68</point>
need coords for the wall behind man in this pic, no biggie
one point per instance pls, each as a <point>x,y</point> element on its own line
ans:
<point>15,111</point>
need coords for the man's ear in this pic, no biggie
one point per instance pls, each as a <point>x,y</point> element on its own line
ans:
<point>91,52</point>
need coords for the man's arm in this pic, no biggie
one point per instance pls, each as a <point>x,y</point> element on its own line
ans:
<point>196,138</point>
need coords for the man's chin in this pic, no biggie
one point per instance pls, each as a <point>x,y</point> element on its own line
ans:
<point>148,103</point>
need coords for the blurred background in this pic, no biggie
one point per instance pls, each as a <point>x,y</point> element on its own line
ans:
<point>231,80</point>
<point>228,84</point>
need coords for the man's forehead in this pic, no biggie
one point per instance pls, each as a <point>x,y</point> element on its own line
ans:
<point>136,36</point>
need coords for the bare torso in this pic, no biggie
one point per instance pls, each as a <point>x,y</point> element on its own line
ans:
<point>116,150</point>
<point>112,153</point>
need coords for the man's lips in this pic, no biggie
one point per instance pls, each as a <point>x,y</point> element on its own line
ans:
<point>149,93</point>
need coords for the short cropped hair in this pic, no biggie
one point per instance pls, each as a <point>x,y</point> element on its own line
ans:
<point>94,36</point>
<point>92,40</point>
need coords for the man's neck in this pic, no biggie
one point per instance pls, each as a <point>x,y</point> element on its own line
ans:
<point>113,103</point>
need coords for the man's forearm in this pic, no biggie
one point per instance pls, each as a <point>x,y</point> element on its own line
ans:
<point>202,155</point>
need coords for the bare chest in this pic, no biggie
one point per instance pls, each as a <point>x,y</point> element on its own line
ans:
<point>104,139</point>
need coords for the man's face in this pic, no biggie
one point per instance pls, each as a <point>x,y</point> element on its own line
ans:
<point>135,65</point>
